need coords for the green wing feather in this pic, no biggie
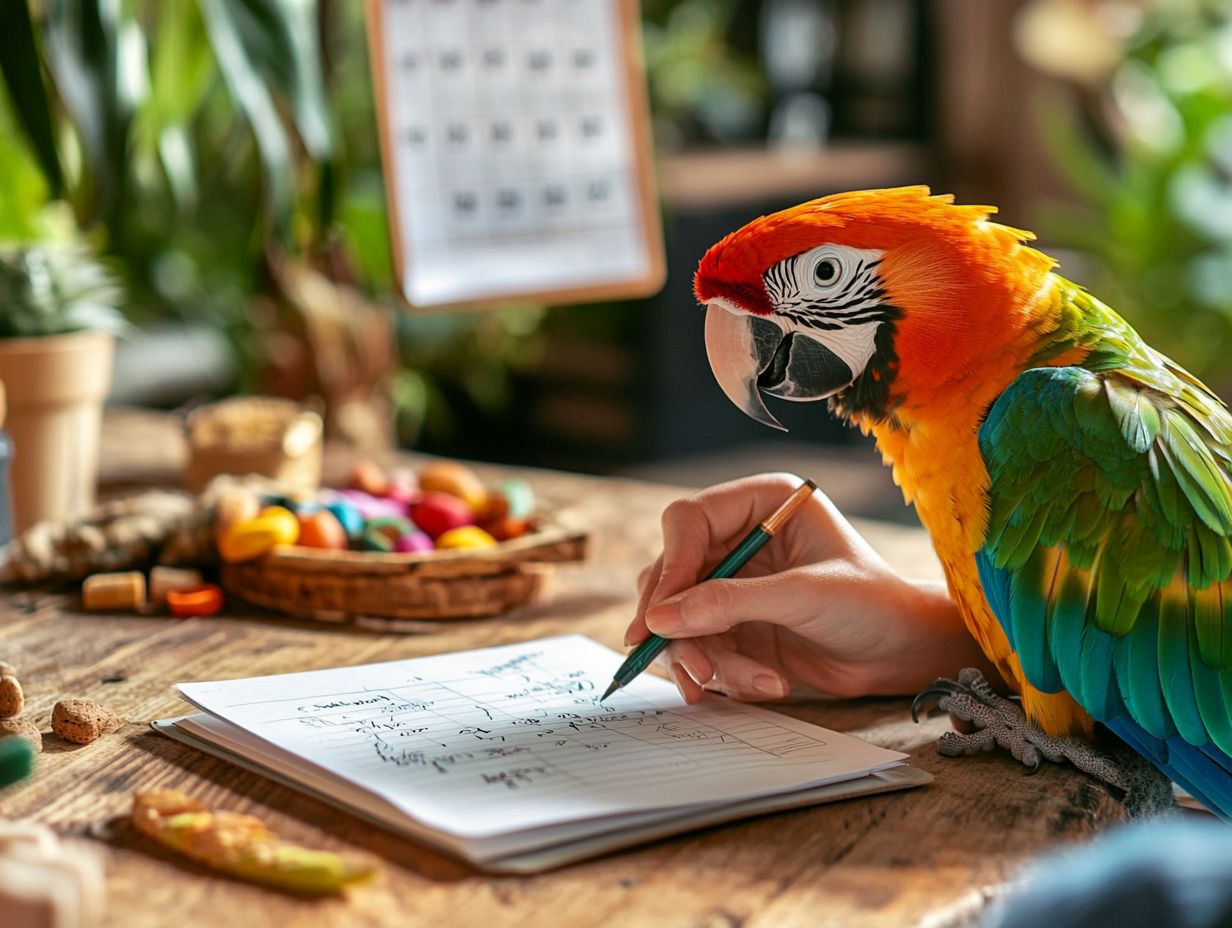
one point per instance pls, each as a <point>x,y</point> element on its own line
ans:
<point>1108,552</point>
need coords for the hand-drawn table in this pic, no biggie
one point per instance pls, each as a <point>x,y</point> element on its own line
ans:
<point>930,856</point>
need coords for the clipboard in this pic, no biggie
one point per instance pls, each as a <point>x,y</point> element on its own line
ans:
<point>516,149</point>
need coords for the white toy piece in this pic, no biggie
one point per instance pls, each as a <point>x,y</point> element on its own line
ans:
<point>46,882</point>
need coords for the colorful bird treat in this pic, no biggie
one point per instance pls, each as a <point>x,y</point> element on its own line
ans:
<point>242,846</point>
<point>443,506</point>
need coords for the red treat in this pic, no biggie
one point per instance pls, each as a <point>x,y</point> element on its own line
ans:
<point>321,529</point>
<point>196,602</point>
<point>369,478</point>
<point>437,513</point>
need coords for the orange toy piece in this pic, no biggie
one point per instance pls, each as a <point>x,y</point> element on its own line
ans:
<point>198,602</point>
<point>369,478</point>
<point>456,480</point>
<point>321,529</point>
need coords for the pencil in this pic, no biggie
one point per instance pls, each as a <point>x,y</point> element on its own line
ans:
<point>644,654</point>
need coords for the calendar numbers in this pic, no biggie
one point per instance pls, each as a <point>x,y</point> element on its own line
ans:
<point>515,165</point>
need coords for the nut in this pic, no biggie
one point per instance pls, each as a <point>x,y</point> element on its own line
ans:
<point>20,728</point>
<point>82,720</point>
<point>12,699</point>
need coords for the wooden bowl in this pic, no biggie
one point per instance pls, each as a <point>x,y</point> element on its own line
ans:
<point>387,591</point>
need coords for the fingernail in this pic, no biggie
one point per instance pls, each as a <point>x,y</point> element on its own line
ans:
<point>769,685</point>
<point>664,619</point>
<point>694,674</point>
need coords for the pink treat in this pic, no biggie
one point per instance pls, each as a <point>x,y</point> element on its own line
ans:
<point>373,507</point>
<point>437,513</point>
<point>404,488</point>
<point>413,543</point>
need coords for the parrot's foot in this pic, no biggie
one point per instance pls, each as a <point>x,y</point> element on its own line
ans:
<point>1001,722</point>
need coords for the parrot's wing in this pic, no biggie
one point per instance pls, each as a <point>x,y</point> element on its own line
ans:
<point>1107,557</point>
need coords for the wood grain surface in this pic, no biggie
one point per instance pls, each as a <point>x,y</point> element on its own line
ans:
<point>928,857</point>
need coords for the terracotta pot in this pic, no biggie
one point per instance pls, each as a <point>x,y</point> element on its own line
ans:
<point>56,386</point>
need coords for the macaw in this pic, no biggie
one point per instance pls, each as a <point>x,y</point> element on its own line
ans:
<point>1076,483</point>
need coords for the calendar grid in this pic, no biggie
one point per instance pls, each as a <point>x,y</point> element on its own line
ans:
<point>512,146</point>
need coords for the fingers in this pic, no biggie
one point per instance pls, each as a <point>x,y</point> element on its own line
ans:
<point>746,679</point>
<point>693,658</point>
<point>694,668</point>
<point>646,582</point>
<point>690,691</point>
<point>716,606</point>
<point>696,527</point>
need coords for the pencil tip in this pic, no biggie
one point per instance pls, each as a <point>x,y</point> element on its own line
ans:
<point>610,690</point>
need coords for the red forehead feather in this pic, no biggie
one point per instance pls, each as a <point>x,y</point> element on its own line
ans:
<point>881,219</point>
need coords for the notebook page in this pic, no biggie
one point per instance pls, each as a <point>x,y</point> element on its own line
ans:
<point>512,738</point>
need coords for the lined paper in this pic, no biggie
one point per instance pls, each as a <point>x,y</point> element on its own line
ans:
<point>508,739</point>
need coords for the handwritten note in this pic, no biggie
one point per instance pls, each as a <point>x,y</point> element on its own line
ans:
<point>512,738</point>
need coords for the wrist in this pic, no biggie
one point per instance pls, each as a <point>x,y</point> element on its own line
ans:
<point>933,642</point>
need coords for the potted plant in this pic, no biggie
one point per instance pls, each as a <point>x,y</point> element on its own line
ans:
<point>58,319</point>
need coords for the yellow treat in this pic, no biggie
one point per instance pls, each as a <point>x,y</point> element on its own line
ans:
<point>107,592</point>
<point>251,538</point>
<point>283,520</point>
<point>241,845</point>
<point>468,536</point>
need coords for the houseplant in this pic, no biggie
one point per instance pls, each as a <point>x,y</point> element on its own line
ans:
<point>58,317</point>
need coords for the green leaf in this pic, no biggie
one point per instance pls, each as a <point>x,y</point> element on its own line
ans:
<point>82,38</point>
<point>182,69</point>
<point>306,90</point>
<point>227,22</point>
<point>19,62</point>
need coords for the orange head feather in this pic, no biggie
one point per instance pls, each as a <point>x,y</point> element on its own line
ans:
<point>954,287</point>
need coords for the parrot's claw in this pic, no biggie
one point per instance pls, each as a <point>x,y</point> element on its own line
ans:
<point>1000,722</point>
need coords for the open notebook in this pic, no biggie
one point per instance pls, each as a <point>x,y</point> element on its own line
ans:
<point>504,756</point>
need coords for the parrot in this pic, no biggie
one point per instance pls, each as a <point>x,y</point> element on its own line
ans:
<point>1075,482</point>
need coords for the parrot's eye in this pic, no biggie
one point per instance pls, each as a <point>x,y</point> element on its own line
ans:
<point>828,275</point>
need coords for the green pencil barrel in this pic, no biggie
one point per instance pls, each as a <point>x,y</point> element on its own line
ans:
<point>740,555</point>
<point>646,652</point>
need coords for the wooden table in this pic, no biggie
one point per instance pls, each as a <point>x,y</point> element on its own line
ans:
<point>930,856</point>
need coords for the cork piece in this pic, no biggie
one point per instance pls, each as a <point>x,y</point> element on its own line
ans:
<point>164,580</point>
<point>114,592</point>
<point>21,728</point>
<point>82,720</point>
<point>12,699</point>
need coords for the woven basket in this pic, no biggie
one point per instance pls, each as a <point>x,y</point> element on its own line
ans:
<point>387,590</point>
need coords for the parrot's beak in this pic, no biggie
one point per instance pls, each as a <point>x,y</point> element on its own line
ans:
<point>750,355</point>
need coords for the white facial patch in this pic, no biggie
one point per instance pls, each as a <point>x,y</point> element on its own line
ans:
<point>832,294</point>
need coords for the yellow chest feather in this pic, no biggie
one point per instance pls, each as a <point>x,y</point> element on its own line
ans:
<point>939,469</point>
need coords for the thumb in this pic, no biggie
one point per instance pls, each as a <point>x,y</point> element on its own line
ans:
<point>717,606</point>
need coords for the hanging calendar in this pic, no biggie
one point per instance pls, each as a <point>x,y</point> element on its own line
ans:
<point>516,147</point>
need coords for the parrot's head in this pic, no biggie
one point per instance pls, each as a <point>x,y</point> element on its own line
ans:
<point>872,299</point>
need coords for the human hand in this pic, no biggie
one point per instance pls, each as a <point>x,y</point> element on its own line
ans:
<point>815,606</point>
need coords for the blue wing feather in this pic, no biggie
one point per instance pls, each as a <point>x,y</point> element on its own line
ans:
<point>1105,557</point>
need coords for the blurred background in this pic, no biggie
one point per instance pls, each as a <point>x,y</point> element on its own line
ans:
<point>221,158</point>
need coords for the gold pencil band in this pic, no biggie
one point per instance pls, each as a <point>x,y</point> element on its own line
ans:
<point>776,519</point>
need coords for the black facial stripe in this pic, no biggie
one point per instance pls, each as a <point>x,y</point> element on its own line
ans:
<point>857,304</point>
<point>818,318</point>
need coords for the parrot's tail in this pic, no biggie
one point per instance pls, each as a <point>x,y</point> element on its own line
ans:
<point>1203,772</point>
